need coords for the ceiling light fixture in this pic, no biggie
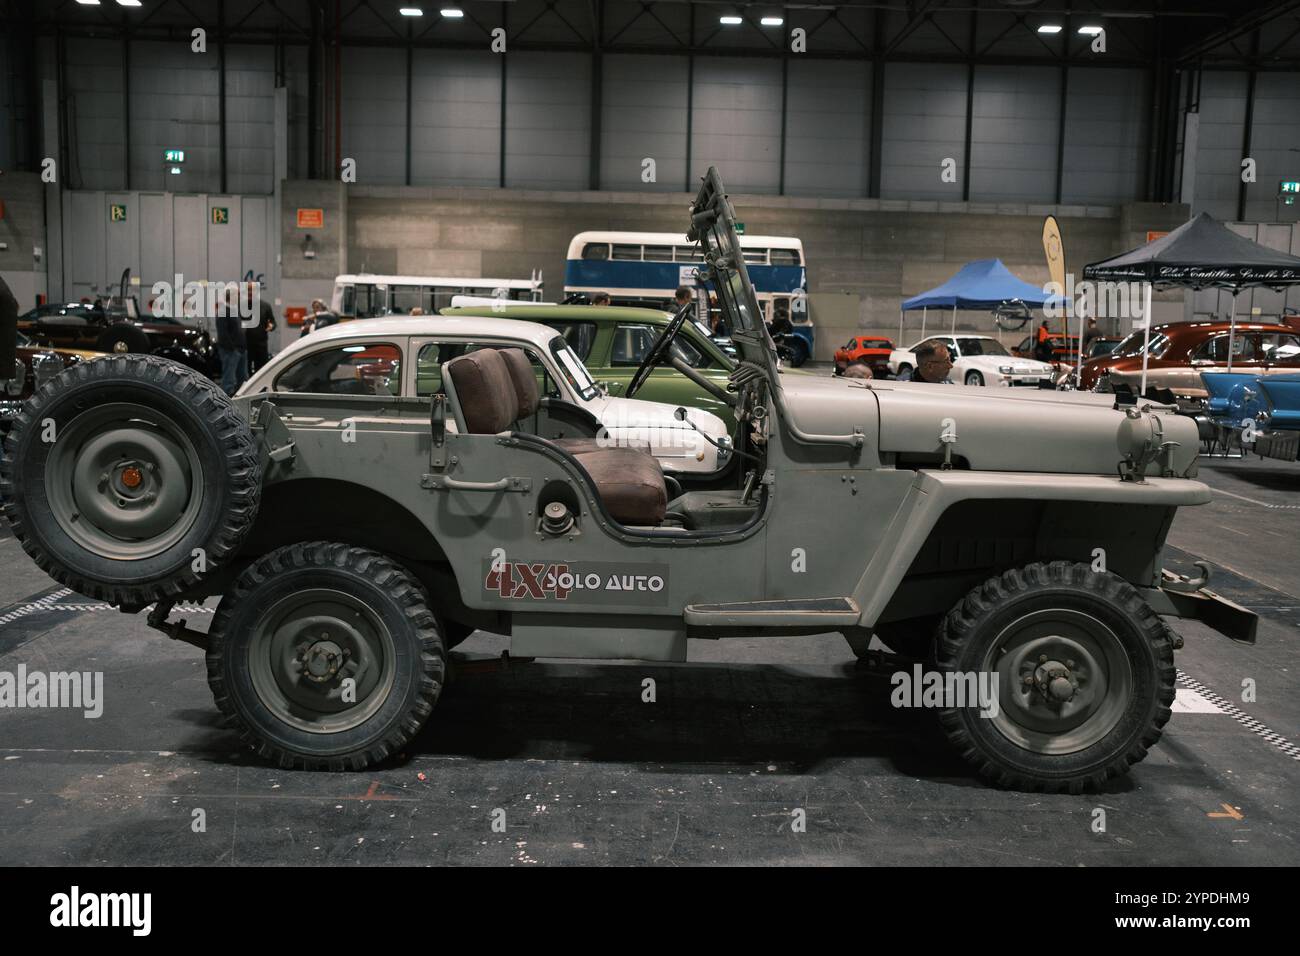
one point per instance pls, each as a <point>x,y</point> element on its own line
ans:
<point>772,21</point>
<point>730,20</point>
<point>1050,28</point>
<point>1090,30</point>
<point>452,13</point>
<point>410,11</point>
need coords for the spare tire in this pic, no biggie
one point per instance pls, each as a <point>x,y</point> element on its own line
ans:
<point>128,478</point>
<point>120,339</point>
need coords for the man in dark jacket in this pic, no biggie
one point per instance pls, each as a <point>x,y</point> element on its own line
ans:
<point>256,337</point>
<point>231,345</point>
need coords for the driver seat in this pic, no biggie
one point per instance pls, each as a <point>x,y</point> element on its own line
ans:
<point>529,397</point>
<point>630,483</point>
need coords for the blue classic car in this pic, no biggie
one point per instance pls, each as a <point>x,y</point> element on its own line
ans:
<point>1266,406</point>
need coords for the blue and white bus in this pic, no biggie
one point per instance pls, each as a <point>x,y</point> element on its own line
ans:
<point>645,269</point>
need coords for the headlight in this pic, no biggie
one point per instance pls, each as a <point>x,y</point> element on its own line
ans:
<point>46,366</point>
<point>724,448</point>
<point>18,378</point>
<point>1005,369</point>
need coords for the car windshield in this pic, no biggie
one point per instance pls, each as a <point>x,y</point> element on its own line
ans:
<point>1132,345</point>
<point>574,371</point>
<point>1102,347</point>
<point>977,346</point>
<point>23,341</point>
<point>876,344</point>
<point>713,226</point>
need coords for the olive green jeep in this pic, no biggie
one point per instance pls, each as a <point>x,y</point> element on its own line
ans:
<point>1010,540</point>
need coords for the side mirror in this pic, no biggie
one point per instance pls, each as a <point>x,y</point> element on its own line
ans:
<point>680,414</point>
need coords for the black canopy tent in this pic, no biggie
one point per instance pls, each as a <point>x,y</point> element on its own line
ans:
<point>1200,254</point>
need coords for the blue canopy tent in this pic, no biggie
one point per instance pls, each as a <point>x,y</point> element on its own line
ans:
<point>982,284</point>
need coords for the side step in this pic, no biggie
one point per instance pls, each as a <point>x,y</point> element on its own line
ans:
<point>827,612</point>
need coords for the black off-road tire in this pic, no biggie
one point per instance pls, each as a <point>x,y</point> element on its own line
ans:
<point>224,477</point>
<point>991,610</point>
<point>133,340</point>
<point>243,630</point>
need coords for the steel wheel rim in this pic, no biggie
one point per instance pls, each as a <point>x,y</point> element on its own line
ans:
<point>120,480</point>
<point>298,665</point>
<point>1030,657</point>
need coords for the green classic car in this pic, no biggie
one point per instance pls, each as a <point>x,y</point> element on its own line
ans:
<point>612,341</point>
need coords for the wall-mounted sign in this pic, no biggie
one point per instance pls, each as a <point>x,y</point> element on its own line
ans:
<point>220,215</point>
<point>174,156</point>
<point>117,212</point>
<point>1289,186</point>
<point>1154,234</point>
<point>311,218</point>
<point>740,228</point>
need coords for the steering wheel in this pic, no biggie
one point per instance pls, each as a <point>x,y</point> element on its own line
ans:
<point>659,349</point>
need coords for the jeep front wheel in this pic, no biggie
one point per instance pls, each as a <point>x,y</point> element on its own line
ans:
<point>325,656</point>
<point>1084,672</point>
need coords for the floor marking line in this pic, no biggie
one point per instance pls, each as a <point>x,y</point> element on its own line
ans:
<point>1253,501</point>
<point>1241,717</point>
<point>41,604</point>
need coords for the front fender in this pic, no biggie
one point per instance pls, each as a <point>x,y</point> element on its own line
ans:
<point>934,492</point>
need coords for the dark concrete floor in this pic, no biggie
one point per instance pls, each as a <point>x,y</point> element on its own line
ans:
<point>587,773</point>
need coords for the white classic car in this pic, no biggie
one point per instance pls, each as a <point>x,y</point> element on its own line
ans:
<point>976,360</point>
<point>400,359</point>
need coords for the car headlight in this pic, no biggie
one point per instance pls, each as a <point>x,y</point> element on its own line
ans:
<point>1005,369</point>
<point>46,366</point>
<point>18,378</point>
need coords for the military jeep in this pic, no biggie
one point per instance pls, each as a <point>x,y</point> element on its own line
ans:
<point>1012,535</point>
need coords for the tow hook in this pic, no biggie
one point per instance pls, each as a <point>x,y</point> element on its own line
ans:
<point>176,630</point>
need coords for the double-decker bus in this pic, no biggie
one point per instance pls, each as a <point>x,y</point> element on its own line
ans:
<point>371,296</point>
<point>646,268</point>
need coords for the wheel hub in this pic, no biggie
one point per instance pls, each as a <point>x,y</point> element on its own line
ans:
<point>1054,681</point>
<point>1067,676</point>
<point>322,660</point>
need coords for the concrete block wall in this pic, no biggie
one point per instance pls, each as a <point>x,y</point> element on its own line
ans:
<point>864,256</point>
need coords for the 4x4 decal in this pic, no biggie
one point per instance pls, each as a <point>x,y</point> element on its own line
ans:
<point>585,583</point>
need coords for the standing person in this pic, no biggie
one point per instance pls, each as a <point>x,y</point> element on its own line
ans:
<point>600,298</point>
<point>1043,345</point>
<point>1090,333</point>
<point>231,345</point>
<point>257,337</point>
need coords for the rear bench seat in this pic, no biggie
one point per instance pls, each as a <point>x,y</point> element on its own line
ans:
<point>629,481</point>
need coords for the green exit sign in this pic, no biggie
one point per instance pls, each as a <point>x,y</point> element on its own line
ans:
<point>174,156</point>
<point>740,228</point>
<point>1289,186</point>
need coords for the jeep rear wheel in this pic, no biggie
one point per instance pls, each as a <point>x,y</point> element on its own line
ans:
<point>325,656</point>
<point>1084,672</point>
<point>128,478</point>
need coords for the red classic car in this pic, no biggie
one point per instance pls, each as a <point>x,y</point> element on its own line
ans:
<point>1180,351</point>
<point>866,350</point>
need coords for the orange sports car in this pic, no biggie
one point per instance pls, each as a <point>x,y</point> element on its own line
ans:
<point>865,350</point>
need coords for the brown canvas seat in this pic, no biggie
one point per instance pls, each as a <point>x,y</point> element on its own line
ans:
<point>529,397</point>
<point>630,482</point>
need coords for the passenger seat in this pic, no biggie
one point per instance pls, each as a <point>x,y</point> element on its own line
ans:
<point>530,396</point>
<point>496,388</point>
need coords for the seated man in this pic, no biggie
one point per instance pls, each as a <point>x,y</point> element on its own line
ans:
<point>933,363</point>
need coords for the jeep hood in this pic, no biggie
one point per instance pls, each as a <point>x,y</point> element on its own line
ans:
<point>996,429</point>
